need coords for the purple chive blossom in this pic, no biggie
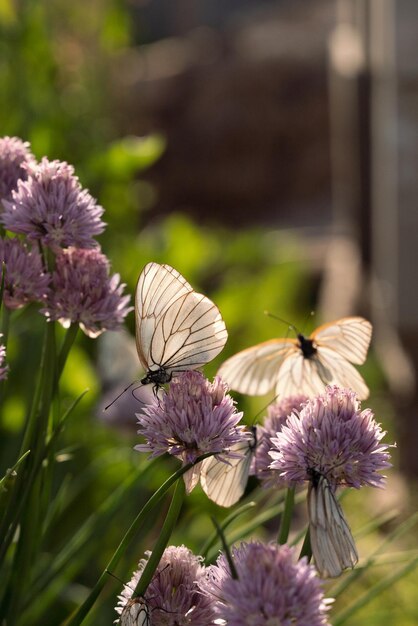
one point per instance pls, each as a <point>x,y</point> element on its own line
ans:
<point>82,292</point>
<point>277,415</point>
<point>3,368</point>
<point>14,154</point>
<point>25,280</point>
<point>272,588</point>
<point>193,417</point>
<point>334,437</point>
<point>52,207</point>
<point>173,596</point>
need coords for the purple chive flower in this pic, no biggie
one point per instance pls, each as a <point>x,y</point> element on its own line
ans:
<point>333,437</point>
<point>272,588</point>
<point>52,207</point>
<point>193,417</point>
<point>3,368</point>
<point>173,596</point>
<point>83,292</point>
<point>277,415</point>
<point>25,280</point>
<point>14,155</point>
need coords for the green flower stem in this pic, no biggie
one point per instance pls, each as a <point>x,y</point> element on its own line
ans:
<point>160,546</point>
<point>70,337</point>
<point>28,511</point>
<point>306,549</point>
<point>287,516</point>
<point>80,613</point>
<point>5,325</point>
<point>33,439</point>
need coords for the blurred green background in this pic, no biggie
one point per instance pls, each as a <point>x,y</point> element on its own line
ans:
<point>79,83</point>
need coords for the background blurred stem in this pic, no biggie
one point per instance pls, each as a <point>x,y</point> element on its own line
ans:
<point>287,516</point>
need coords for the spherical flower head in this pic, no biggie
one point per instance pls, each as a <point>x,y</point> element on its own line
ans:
<point>52,207</point>
<point>14,155</point>
<point>333,437</point>
<point>3,368</point>
<point>173,596</point>
<point>83,292</point>
<point>25,279</point>
<point>272,588</point>
<point>193,417</point>
<point>277,415</point>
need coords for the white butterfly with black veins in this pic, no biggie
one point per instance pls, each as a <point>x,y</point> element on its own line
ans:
<point>135,613</point>
<point>225,483</point>
<point>177,329</point>
<point>303,365</point>
<point>332,543</point>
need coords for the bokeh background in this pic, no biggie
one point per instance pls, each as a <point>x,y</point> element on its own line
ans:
<point>267,149</point>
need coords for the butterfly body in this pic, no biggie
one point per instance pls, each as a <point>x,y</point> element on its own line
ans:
<point>157,377</point>
<point>177,329</point>
<point>303,365</point>
<point>306,346</point>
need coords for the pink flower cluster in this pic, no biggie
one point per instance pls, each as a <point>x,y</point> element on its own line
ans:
<point>269,587</point>
<point>45,205</point>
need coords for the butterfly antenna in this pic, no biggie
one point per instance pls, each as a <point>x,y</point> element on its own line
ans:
<point>310,314</point>
<point>118,579</point>
<point>264,408</point>
<point>280,319</point>
<point>121,394</point>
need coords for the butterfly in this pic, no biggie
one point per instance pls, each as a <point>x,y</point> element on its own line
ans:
<point>303,365</point>
<point>332,543</point>
<point>224,482</point>
<point>177,329</point>
<point>135,613</point>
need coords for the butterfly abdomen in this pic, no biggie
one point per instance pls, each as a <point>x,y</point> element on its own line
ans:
<point>307,346</point>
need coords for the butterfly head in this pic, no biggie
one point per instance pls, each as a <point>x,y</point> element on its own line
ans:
<point>157,377</point>
<point>307,346</point>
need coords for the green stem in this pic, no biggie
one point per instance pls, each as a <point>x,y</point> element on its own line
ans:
<point>30,478</point>
<point>287,516</point>
<point>80,613</point>
<point>70,337</point>
<point>306,548</point>
<point>160,546</point>
<point>5,325</point>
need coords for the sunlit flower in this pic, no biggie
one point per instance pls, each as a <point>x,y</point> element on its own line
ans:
<point>333,437</point>
<point>173,596</point>
<point>25,280</point>
<point>3,368</point>
<point>14,154</point>
<point>82,292</point>
<point>52,207</point>
<point>272,588</point>
<point>193,417</point>
<point>277,415</point>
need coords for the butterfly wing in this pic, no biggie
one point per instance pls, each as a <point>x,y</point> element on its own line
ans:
<point>342,373</point>
<point>332,543</point>
<point>349,337</point>
<point>254,371</point>
<point>224,483</point>
<point>135,613</point>
<point>299,375</point>
<point>176,328</point>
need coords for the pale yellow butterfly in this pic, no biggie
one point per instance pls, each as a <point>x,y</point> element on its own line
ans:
<point>303,365</point>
